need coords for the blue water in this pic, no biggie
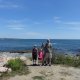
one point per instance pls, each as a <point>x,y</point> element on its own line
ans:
<point>63,45</point>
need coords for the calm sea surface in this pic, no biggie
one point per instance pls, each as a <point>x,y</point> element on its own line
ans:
<point>66,46</point>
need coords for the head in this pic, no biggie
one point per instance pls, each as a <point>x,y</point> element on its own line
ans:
<point>35,46</point>
<point>41,49</point>
<point>48,40</point>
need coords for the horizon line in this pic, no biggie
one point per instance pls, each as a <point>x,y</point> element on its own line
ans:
<point>42,38</point>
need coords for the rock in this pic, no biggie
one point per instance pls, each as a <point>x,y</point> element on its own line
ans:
<point>3,61</point>
<point>3,69</point>
<point>9,58</point>
<point>23,58</point>
<point>9,70</point>
<point>2,64</point>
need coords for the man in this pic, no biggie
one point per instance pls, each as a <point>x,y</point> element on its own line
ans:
<point>48,53</point>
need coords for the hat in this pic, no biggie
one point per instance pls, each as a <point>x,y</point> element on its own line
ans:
<point>35,45</point>
<point>48,40</point>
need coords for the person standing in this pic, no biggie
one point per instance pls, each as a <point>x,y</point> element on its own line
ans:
<point>34,54</point>
<point>40,56</point>
<point>48,53</point>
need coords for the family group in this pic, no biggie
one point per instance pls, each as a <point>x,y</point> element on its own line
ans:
<point>42,55</point>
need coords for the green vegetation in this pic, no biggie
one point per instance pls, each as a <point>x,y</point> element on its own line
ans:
<point>30,58</point>
<point>38,78</point>
<point>18,68</point>
<point>66,60</point>
<point>16,64</point>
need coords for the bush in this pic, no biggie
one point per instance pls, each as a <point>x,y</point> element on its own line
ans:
<point>76,62</point>
<point>38,78</point>
<point>18,68</point>
<point>15,64</point>
<point>66,60</point>
<point>58,59</point>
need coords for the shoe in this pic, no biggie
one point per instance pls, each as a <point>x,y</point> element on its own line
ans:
<point>49,64</point>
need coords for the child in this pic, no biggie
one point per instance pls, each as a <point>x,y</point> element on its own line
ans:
<point>40,56</point>
<point>34,54</point>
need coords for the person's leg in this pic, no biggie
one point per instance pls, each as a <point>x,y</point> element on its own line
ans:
<point>49,61</point>
<point>47,58</point>
<point>43,61</point>
<point>33,60</point>
<point>40,63</point>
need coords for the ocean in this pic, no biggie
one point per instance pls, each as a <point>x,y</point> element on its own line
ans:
<point>69,46</point>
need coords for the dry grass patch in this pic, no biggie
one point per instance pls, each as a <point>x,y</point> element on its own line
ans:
<point>62,79</point>
<point>38,78</point>
<point>65,73</point>
<point>46,74</point>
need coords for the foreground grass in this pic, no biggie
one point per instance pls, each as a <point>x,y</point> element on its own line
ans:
<point>66,60</point>
<point>38,78</point>
<point>18,68</point>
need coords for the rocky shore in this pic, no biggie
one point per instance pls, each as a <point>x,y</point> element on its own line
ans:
<point>4,60</point>
<point>6,56</point>
<point>54,72</point>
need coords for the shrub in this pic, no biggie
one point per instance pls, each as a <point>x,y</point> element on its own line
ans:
<point>38,78</point>
<point>18,68</point>
<point>58,59</point>
<point>15,64</point>
<point>76,62</point>
<point>66,60</point>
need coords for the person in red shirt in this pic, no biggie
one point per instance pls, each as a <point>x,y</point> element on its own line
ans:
<point>40,56</point>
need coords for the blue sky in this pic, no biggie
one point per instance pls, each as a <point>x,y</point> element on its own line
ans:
<point>55,19</point>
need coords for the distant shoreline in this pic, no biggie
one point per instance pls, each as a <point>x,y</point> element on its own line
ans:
<point>18,51</point>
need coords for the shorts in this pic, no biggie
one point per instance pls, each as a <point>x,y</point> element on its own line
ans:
<point>35,57</point>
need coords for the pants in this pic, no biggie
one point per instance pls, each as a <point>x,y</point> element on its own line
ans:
<point>47,58</point>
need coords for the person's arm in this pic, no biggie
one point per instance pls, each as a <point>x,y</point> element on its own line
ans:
<point>51,47</point>
<point>32,53</point>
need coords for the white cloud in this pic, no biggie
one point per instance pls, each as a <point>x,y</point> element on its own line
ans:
<point>16,27</point>
<point>15,24</point>
<point>57,19</point>
<point>9,6</point>
<point>72,23</point>
<point>14,21</point>
<point>74,27</point>
<point>32,34</point>
<point>36,35</point>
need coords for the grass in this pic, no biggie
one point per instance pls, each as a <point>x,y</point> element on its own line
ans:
<point>30,58</point>
<point>66,60</point>
<point>62,79</point>
<point>18,68</point>
<point>46,74</point>
<point>38,78</point>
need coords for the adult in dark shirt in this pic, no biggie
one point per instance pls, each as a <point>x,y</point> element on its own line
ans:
<point>34,54</point>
